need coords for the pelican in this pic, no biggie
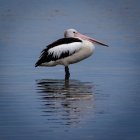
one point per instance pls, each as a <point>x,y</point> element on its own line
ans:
<point>71,49</point>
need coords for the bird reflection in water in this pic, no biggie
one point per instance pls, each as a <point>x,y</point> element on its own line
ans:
<point>66,102</point>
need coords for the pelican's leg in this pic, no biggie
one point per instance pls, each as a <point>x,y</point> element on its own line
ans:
<point>67,73</point>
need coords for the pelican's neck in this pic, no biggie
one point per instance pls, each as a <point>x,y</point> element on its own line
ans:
<point>88,44</point>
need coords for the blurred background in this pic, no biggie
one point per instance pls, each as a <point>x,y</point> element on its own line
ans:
<point>100,101</point>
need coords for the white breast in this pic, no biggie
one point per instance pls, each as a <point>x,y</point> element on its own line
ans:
<point>86,50</point>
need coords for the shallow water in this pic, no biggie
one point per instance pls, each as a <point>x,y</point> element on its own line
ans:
<point>101,100</point>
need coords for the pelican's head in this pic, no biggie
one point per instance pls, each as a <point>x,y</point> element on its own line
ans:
<point>70,33</point>
<point>74,33</point>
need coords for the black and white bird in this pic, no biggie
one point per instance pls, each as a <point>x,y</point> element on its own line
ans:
<point>71,49</point>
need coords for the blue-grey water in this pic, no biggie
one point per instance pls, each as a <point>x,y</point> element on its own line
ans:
<point>101,101</point>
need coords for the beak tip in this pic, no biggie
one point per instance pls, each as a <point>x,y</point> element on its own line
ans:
<point>104,45</point>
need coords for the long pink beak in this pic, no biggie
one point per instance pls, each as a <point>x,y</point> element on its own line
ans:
<point>91,39</point>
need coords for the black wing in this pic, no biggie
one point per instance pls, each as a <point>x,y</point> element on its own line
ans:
<point>47,57</point>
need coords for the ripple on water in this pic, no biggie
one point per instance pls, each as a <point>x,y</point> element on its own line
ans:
<point>65,102</point>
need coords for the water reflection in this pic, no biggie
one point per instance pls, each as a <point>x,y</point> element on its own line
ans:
<point>66,102</point>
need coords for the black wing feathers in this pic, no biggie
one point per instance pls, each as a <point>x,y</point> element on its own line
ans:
<point>47,57</point>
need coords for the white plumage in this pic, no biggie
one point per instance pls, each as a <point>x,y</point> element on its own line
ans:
<point>71,48</point>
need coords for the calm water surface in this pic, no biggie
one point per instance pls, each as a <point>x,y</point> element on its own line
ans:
<point>101,101</point>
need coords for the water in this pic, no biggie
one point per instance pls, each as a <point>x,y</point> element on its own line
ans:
<point>101,99</point>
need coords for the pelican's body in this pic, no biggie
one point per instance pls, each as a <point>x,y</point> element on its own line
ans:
<point>84,50</point>
<point>71,49</point>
